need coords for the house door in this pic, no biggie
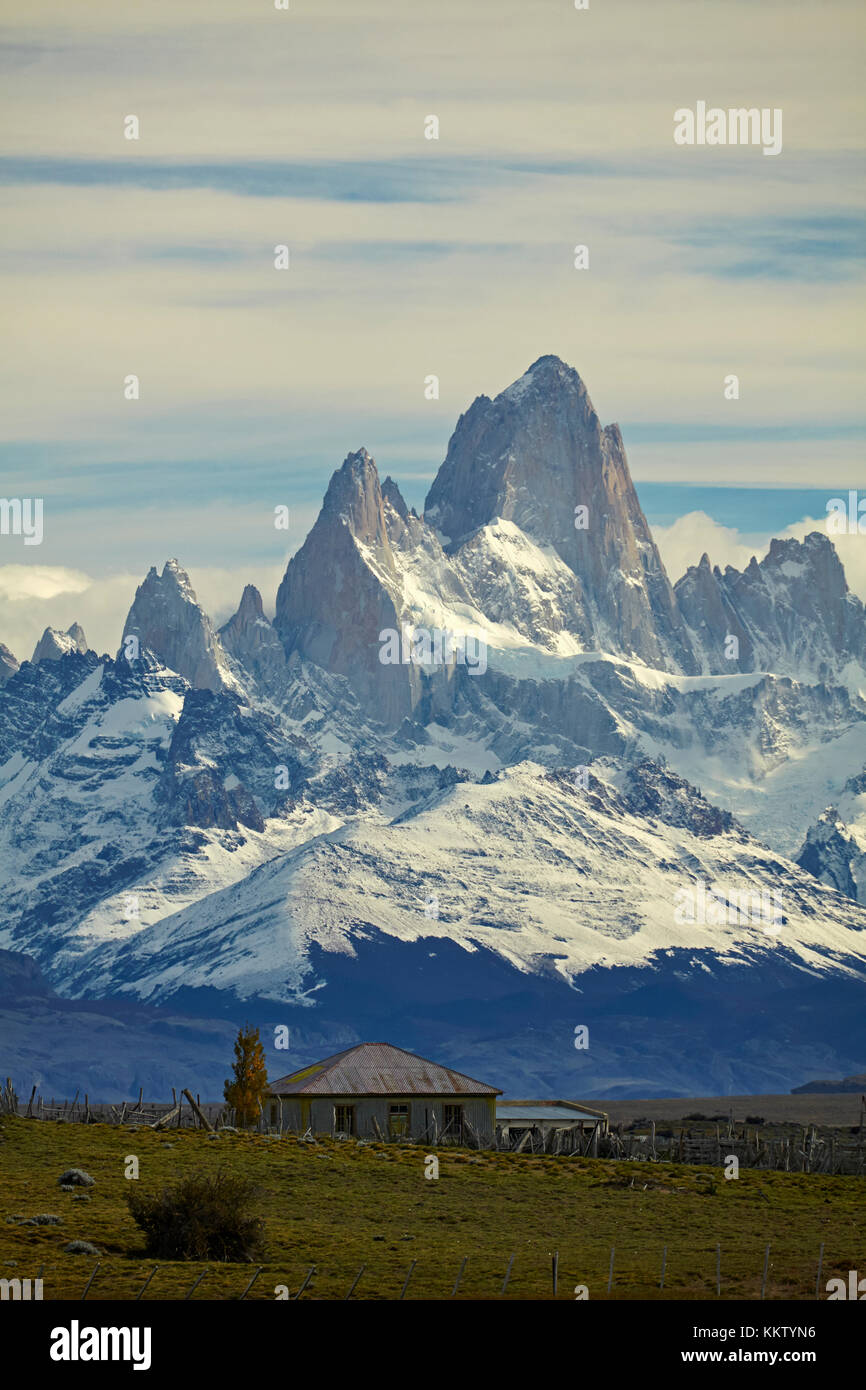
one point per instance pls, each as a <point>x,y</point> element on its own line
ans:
<point>452,1118</point>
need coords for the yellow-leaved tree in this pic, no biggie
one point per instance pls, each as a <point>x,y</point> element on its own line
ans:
<point>245,1093</point>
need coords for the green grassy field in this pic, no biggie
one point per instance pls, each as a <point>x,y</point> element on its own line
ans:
<point>340,1205</point>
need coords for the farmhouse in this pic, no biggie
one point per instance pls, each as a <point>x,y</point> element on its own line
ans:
<point>377,1091</point>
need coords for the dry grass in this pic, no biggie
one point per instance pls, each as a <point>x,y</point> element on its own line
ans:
<point>340,1205</point>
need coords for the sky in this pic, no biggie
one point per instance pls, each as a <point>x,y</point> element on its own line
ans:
<point>408,257</point>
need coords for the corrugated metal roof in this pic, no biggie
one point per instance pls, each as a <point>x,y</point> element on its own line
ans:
<point>514,1113</point>
<point>378,1069</point>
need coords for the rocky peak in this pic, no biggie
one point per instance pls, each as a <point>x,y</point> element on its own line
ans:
<point>53,644</point>
<point>250,609</point>
<point>538,456</point>
<point>392,496</point>
<point>166,618</point>
<point>8,664</point>
<point>790,612</point>
<point>251,639</point>
<point>354,498</point>
<point>832,854</point>
<point>341,589</point>
<point>517,456</point>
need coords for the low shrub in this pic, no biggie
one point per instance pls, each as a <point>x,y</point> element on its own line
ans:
<point>200,1218</point>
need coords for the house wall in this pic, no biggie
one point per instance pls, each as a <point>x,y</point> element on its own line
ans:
<point>425,1114</point>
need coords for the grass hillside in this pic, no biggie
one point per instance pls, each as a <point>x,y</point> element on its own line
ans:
<point>340,1205</point>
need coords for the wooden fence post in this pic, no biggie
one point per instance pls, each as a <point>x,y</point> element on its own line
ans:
<point>196,1284</point>
<point>507,1274</point>
<point>206,1124</point>
<point>250,1284</point>
<point>766,1266</point>
<point>408,1277</point>
<point>146,1282</point>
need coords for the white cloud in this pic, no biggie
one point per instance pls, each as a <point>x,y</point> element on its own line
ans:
<point>689,537</point>
<point>39,597</point>
<point>18,582</point>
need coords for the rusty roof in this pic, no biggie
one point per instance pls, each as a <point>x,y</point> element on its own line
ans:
<point>378,1069</point>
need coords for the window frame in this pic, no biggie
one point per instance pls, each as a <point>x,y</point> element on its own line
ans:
<point>399,1110</point>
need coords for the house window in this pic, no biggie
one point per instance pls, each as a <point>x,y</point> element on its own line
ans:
<point>344,1119</point>
<point>275,1114</point>
<point>398,1120</point>
<point>453,1121</point>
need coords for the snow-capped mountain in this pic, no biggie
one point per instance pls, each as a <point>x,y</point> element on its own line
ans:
<point>334,816</point>
<point>165,618</point>
<point>791,613</point>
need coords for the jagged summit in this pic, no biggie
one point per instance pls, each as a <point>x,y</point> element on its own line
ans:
<point>166,618</point>
<point>354,496</point>
<point>538,456</point>
<point>545,375</point>
<point>540,432</point>
<point>250,639</point>
<point>790,612</point>
<point>392,494</point>
<point>53,644</point>
<point>251,606</point>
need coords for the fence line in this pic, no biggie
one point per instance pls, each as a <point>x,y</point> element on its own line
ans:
<point>808,1152</point>
<point>761,1275</point>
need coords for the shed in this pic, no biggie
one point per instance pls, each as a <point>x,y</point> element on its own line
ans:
<point>379,1091</point>
<point>530,1120</point>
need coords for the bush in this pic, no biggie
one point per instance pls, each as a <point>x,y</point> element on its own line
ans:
<point>754,1119</point>
<point>200,1218</point>
<point>695,1115</point>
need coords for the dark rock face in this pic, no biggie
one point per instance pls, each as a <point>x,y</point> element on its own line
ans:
<point>167,620</point>
<point>221,765</point>
<point>21,977</point>
<point>8,664</point>
<point>834,852</point>
<point>792,612</point>
<point>253,642</point>
<point>30,722</point>
<point>340,591</point>
<point>532,456</point>
<point>653,791</point>
<point>827,854</point>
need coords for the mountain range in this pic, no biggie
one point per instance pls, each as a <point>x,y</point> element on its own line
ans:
<point>345,820</point>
